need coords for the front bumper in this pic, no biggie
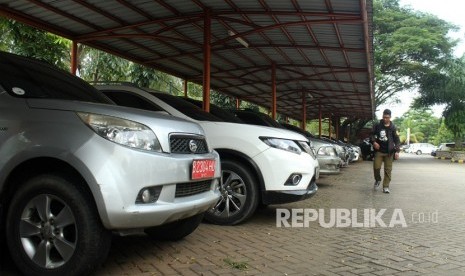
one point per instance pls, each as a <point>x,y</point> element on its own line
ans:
<point>329,165</point>
<point>277,166</point>
<point>287,196</point>
<point>116,175</point>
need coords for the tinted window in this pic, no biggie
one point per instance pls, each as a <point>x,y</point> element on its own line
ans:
<point>29,78</point>
<point>217,111</point>
<point>187,108</point>
<point>255,118</point>
<point>131,100</point>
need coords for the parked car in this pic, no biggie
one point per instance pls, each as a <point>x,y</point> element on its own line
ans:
<point>259,164</point>
<point>342,149</point>
<point>74,167</point>
<point>445,147</point>
<point>326,153</point>
<point>420,148</point>
<point>327,161</point>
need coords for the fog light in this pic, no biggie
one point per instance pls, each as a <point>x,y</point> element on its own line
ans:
<point>148,195</point>
<point>293,180</point>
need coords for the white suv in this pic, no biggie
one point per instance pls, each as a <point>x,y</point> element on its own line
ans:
<point>74,167</point>
<point>259,164</point>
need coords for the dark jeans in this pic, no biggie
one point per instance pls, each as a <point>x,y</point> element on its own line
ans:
<point>377,162</point>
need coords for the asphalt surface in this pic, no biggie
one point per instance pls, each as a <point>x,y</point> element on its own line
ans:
<point>426,236</point>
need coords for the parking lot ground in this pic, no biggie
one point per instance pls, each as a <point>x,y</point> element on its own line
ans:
<point>427,237</point>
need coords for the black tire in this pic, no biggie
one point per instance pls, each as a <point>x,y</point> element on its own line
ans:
<point>72,228</point>
<point>418,152</point>
<point>176,230</point>
<point>240,195</point>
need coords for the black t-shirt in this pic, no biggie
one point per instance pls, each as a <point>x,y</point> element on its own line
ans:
<point>383,138</point>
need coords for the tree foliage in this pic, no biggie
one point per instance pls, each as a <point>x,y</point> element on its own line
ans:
<point>446,85</point>
<point>407,45</point>
<point>27,41</point>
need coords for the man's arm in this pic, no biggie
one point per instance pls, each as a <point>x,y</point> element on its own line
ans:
<point>396,139</point>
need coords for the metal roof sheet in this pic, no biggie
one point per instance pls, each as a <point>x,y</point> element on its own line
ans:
<point>321,48</point>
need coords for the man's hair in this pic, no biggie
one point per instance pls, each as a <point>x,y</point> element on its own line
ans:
<point>387,112</point>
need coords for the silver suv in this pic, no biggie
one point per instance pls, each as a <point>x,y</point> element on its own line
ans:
<point>74,167</point>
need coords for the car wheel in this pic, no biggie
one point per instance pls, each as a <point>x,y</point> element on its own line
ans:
<point>418,152</point>
<point>176,230</point>
<point>53,228</point>
<point>239,195</point>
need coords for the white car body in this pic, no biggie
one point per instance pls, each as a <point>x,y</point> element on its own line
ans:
<point>273,167</point>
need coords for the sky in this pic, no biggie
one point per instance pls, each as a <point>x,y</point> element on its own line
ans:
<point>448,10</point>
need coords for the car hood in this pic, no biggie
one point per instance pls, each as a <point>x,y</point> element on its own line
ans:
<point>242,137</point>
<point>163,125</point>
<point>259,131</point>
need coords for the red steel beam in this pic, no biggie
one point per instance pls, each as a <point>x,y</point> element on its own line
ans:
<point>74,57</point>
<point>273,91</point>
<point>206,60</point>
<point>304,110</point>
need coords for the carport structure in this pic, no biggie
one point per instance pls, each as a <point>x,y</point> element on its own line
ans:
<point>303,59</point>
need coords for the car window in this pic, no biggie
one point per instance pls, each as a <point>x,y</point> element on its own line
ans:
<point>256,118</point>
<point>217,111</point>
<point>186,107</point>
<point>28,78</point>
<point>131,100</point>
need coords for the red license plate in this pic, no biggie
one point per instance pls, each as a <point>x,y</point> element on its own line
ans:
<point>204,168</point>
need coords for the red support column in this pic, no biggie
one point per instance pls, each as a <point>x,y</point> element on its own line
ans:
<point>304,110</point>
<point>319,119</point>
<point>329,125</point>
<point>338,122</point>
<point>206,59</point>
<point>74,58</point>
<point>238,103</point>
<point>273,91</point>
<point>185,88</point>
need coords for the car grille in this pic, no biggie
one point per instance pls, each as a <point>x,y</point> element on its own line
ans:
<point>192,188</point>
<point>180,144</point>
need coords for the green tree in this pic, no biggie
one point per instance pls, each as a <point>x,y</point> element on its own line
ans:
<point>96,66</point>
<point>407,45</point>
<point>27,41</point>
<point>422,124</point>
<point>446,85</point>
<point>443,135</point>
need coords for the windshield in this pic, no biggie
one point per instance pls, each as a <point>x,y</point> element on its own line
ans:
<point>29,78</point>
<point>186,107</point>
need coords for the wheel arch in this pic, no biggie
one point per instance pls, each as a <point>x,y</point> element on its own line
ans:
<point>244,159</point>
<point>32,167</point>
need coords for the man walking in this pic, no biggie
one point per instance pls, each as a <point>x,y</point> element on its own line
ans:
<point>386,143</point>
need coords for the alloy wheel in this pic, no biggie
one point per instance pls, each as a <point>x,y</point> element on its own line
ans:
<point>48,231</point>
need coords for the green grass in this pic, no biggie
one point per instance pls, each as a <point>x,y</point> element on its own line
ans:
<point>236,265</point>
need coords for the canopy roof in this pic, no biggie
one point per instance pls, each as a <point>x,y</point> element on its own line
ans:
<point>319,49</point>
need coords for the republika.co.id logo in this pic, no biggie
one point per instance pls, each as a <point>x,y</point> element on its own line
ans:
<point>341,217</point>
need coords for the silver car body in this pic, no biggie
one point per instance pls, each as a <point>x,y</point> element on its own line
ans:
<point>327,156</point>
<point>44,129</point>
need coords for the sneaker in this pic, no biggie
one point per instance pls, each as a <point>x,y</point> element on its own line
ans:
<point>377,184</point>
<point>386,190</point>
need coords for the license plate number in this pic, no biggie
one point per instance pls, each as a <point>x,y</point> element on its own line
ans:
<point>204,168</point>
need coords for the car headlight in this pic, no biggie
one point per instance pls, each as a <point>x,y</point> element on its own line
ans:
<point>327,150</point>
<point>121,131</point>
<point>308,148</point>
<point>284,144</point>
